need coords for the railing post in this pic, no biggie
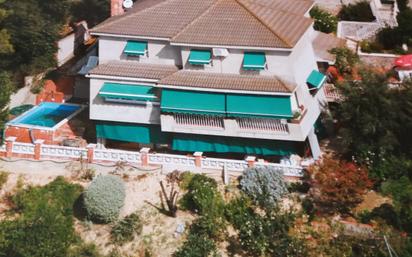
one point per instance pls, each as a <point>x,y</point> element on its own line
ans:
<point>198,159</point>
<point>9,146</point>
<point>250,161</point>
<point>90,152</point>
<point>145,156</point>
<point>37,148</point>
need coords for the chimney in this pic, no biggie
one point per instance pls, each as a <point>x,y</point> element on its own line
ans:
<point>116,7</point>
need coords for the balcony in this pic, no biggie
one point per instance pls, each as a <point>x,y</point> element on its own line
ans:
<point>272,129</point>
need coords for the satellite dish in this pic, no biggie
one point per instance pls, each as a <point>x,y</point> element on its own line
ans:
<point>127,4</point>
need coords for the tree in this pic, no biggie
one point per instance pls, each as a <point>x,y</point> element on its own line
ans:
<point>346,59</point>
<point>5,45</point>
<point>81,11</point>
<point>265,185</point>
<point>324,21</point>
<point>6,89</point>
<point>360,11</point>
<point>338,185</point>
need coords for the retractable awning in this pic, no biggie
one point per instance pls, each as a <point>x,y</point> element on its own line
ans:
<point>135,48</point>
<point>131,132</point>
<point>316,79</point>
<point>202,143</point>
<point>200,57</point>
<point>254,61</point>
<point>127,92</point>
<point>192,102</point>
<point>259,106</point>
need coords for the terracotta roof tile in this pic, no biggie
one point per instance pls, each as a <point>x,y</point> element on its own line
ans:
<point>134,70</point>
<point>325,42</point>
<point>257,23</point>
<point>199,79</point>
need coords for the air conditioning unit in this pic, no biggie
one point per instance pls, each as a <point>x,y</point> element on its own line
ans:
<point>220,52</point>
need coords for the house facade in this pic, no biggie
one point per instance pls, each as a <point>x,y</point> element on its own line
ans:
<point>212,76</point>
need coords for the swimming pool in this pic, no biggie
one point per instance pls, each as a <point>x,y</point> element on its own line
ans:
<point>46,115</point>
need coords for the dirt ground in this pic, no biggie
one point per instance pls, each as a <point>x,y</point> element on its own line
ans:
<point>142,195</point>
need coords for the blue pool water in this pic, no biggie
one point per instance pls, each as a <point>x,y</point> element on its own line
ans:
<point>46,114</point>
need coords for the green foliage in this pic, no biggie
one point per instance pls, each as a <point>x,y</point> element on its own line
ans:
<point>34,28</point>
<point>371,47</point>
<point>44,227</point>
<point>6,89</point>
<point>324,21</point>
<point>359,11</point>
<point>197,245</point>
<point>125,230</point>
<point>81,11</point>
<point>389,37</point>
<point>184,179</point>
<point>84,250</point>
<point>104,198</point>
<point>4,176</point>
<point>346,59</point>
<point>263,234</point>
<point>265,185</point>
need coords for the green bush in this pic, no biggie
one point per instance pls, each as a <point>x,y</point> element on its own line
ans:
<point>324,21</point>
<point>265,185</point>
<point>104,198</point>
<point>44,227</point>
<point>197,246</point>
<point>360,11</point>
<point>4,176</point>
<point>125,230</point>
<point>202,196</point>
<point>371,47</point>
<point>84,250</point>
<point>184,179</point>
<point>389,38</point>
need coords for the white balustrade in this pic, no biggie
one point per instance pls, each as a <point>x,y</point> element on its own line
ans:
<point>171,159</point>
<point>116,155</point>
<point>288,170</point>
<point>63,151</point>
<point>23,148</point>
<point>216,163</point>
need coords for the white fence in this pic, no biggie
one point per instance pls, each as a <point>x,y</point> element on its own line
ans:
<point>196,162</point>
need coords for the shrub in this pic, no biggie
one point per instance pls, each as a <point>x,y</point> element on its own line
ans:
<point>324,21</point>
<point>202,196</point>
<point>360,11</point>
<point>346,59</point>
<point>308,207</point>
<point>125,229</point>
<point>371,47</point>
<point>4,176</point>
<point>45,224</point>
<point>184,179</point>
<point>104,198</point>
<point>196,246</point>
<point>338,185</point>
<point>389,37</point>
<point>265,185</point>
<point>84,250</point>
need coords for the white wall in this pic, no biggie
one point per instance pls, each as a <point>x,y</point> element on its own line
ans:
<point>66,49</point>
<point>159,52</point>
<point>110,111</point>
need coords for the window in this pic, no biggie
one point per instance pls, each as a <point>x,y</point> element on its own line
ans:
<point>200,57</point>
<point>254,61</point>
<point>135,48</point>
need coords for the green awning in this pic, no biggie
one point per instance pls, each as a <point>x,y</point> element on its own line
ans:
<point>254,61</point>
<point>135,48</point>
<point>316,79</point>
<point>131,132</point>
<point>192,102</point>
<point>200,57</point>
<point>127,92</point>
<point>202,143</point>
<point>259,106</point>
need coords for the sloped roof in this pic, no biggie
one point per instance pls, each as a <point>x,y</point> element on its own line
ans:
<point>205,80</point>
<point>257,23</point>
<point>323,43</point>
<point>134,70</point>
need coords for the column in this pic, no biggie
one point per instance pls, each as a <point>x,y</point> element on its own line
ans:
<point>9,146</point>
<point>90,152</point>
<point>314,144</point>
<point>250,161</point>
<point>144,155</point>
<point>37,148</point>
<point>198,159</point>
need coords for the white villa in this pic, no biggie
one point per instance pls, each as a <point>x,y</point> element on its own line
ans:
<point>213,76</point>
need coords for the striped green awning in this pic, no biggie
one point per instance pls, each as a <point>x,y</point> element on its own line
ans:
<point>316,79</point>
<point>203,143</point>
<point>200,57</point>
<point>131,132</point>
<point>254,61</point>
<point>135,48</point>
<point>127,92</point>
<point>259,106</point>
<point>192,102</point>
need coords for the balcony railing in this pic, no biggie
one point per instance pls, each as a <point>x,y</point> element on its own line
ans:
<point>199,120</point>
<point>262,124</point>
